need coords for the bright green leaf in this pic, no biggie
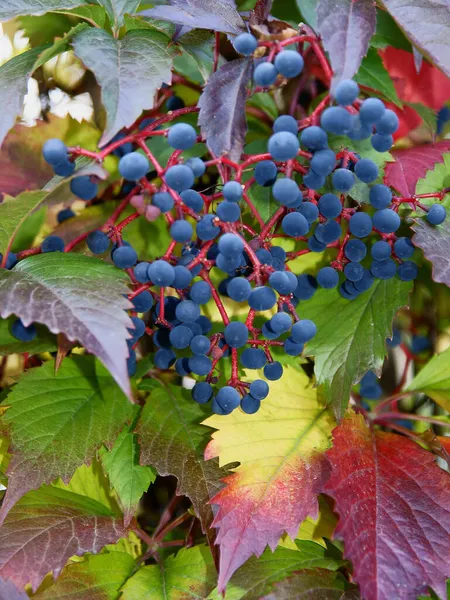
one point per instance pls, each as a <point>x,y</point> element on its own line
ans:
<point>388,33</point>
<point>434,380</point>
<point>373,74</point>
<point>13,212</point>
<point>428,115</point>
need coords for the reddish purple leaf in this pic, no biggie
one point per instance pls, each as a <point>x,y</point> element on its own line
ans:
<point>222,108</point>
<point>260,13</point>
<point>218,15</point>
<point>346,28</point>
<point>8,591</point>
<point>435,243</point>
<point>412,164</point>
<point>49,526</point>
<point>393,503</point>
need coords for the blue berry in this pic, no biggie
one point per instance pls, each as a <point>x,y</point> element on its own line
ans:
<point>22,333</point>
<point>53,243</point>
<point>131,363</point>
<point>228,398</point>
<point>355,250</point>
<point>328,232</point>
<point>366,170</point>
<point>265,74</point>
<point>328,277</point>
<point>381,250</point>
<point>163,200</point>
<point>353,271</point>
<point>55,151</point>
<point>262,298</point>
<point>180,337</point>
<point>124,257</point>
<point>365,283</point>
<point>436,214</point>
<point>386,220</point>
<point>245,44</point>
<point>204,324</point>
<point>202,392</point>
<point>139,328</point>
<point>294,224</point>
<point>266,173</point>
<point>200,292</point>
<point>289,63</point>
<point>359,131</point>
<point>286,191</point>
<point>239,289</point>
<point>236,334</point>
<point>164,358</point>
<point>388,123</point>
<point>313,181</point>
<point>231,244</point>
<point>187,311</point>
<point>64,215</point>
<point>309,211</point>
<point>200,344</point>
<point>371,111</point>
<point>403,248</point>
<point>273,371</point>
<point>395,340</point>
<point>407,271</point>
<point>382,143</point>
<point>283,145</point>
<point>249,404</point>
<point>360,224</point>
<point>285,123</point>
<point>259,389</point>
<point>303,331</point>
<point>174,103</point>
<point>64,169</point>
<point>232,191</point>
<point>98,242</point>
<point>314,138</point>
<point>197,166</point>
<point>419,344</point>
<point>369,386</point>
<point>181,230</point>
<point>83,187</point>
<point>330,206</point>
<point>293,348</point>
<point>179,177</point>
<point>323,162</point>
<point>343,180</point>
<point>280,323</point>
<point>134,166</point>
<point>336,120</point>
<point>380,196</point>
<point>228,212</point>
<point>306,287</point>
<point>192,199</point>
<point>182,136</point>
<point>349,292</point>
<point>143,302</point>
<point>253,358</point>
<point>315,245</point>
<point>346,92</point>
<point>278,252</point>
<point>383,269</point>
<point>161,273</point>
<point>282,283</point>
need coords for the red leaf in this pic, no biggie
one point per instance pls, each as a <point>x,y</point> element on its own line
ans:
<point>412,164</point>
<point>393,503</point>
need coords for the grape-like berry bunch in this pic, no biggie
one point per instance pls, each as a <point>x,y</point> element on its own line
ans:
<point>222,253</point>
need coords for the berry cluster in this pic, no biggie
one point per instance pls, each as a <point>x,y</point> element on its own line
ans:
<point>221,247</point>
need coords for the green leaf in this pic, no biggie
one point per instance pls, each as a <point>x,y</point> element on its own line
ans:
<point>17,8</point>
<point>373,74</point>
<point>148,238</point>
<point>308,9</point>
<point>30,228</point>
<point>13,212</point>
<point>258,575</point>
<point>388,33</point>
<point>97,577</point>
<point>265,102</point>
<point>58,188</point>
<point>435,180</point>
<point>141,22</point>
<point>129,71</point>
<point>44,341</point>
<point>116,10</point>
<point>77,295</point>
<point>128,478</point>
<point>173,441</point>
<point>57,421</point>
<point>198,44</point>
<point>428,115</point>
<point>14,76</point>
<point>44,29</point>
<point>263,201</point>
<point>351,335</point>
<point>59,46</point>
<point>53,524</point>
<point>315,584</point>
<point>190,575</point>
<point>434,380</point>
<point>95,15</point>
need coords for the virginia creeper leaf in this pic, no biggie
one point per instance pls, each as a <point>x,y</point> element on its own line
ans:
<point>434,380</point>
<point>58,188</point>
<point>199,45</point>
<point>172,440</point>
<point>189,575</point>
<point>388,33</point>
<point>127,476</point>
<point>435,243</point>
<point>222,108</point>
<point>8,591</point>
<point>13,212</point>
<point>77,295</point>
<point>218,15</point>
<point>351,335</point>
<point>427,24</point>
<point>48,526</point>
<point>16,8</point>
<point>260,12</point>
<point>98,577</point>
<point>258,575</point>
<point>393,503</point>
<point>129,71</point>
<point>346,28</point>
<point>412,164</point>
<point>14,76</point>
<point>273,490</point>
<point>116,10</point>
<point>57,422</point>
<point>373,74</point>
<point>43,342</point>
<point>311,584</point>
<point>59,46</point>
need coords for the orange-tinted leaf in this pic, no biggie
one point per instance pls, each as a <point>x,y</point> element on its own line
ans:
<point>274,490</point>
<point>393,503</point>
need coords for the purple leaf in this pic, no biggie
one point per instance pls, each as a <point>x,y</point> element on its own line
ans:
<point>8,591</point>
<point>79,296</point>
<point>427,24</point>
<point>435,243</point>
<point>346,27</point>
<point>260,13</point>
<point>222,108</point>
<point>218,15</point>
